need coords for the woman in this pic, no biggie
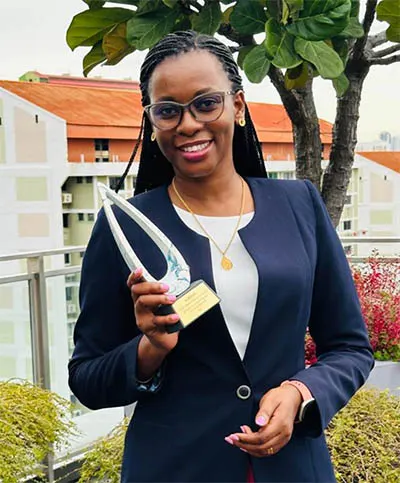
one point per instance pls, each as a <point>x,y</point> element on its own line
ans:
<point>229,397</point>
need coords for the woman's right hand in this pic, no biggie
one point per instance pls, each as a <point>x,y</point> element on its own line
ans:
<point>147,296</point>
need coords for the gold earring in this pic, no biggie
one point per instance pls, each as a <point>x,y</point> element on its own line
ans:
<point>153,136</point>
<point>242,122</point>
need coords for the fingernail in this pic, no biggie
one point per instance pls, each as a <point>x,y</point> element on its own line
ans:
<point>235,437</point>
<point>243,429</point>
<point>244,450</point>
<point>171,298</point>
<point>164,286</point>
<point>228,440</point>
<point>175,317</point>
<point>137,271</point>
<point>261,420</point>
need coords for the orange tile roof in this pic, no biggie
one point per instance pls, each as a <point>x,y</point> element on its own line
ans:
<point>116,113</point>
<point>389,159</point>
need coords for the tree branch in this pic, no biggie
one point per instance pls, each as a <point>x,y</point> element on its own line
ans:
<point>358,49</point>
<point>384,52</point>
<point>386,60</point>
<point>377,39</point>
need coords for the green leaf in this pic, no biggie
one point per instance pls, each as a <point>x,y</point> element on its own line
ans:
<point>341,46</point>
<point>297,78</point>
<point>355,8</point>
<point>354,30</point>
<point>243,51</point>
<point>226,15</point>
<point>93,58</point>
<point>89,27</point>
<point>145,30</point>
<point>393,33</point>
<point>248,17</point>
<point>324,58</point>
<point>148,6</point>
<point>115,45</point>
<point>341,84</point>
<point>389,11</point>
<point>321,19</point>
<point>274,9</point>
<point>171,3</point>
<point>279,44</point>
<point>208,20</point>
<point>256,64</point>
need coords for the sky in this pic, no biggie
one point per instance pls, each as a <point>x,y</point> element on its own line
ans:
<point>32,37</point>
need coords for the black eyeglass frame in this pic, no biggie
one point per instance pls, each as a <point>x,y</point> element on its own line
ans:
<point>187,106</point>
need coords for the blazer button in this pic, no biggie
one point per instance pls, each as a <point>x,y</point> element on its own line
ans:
<point>243,392</point>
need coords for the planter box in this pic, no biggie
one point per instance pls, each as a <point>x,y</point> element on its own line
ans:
<point>386,375</point>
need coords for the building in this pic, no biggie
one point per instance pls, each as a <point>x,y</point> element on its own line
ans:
<point>33,166</point>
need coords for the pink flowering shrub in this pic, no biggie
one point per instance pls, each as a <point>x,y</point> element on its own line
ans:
<point>378,287</point>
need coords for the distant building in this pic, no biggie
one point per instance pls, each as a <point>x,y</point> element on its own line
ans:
<point>386,142</point>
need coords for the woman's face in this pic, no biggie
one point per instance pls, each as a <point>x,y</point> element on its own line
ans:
<point>196,149</point>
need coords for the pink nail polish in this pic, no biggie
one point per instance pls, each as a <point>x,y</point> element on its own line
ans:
<point>175,317</point>
<point>228,440</point>
<point>244,450</point>
<point>235,437</point>
<point>261,420</point>
<point>164,286</point>
<point>243,429</point>
<point>138,271</point>
<point>171,298</point>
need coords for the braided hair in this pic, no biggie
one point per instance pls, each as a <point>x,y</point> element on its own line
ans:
<point>154,169</point>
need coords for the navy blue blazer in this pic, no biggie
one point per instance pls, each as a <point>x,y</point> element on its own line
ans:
<point>177,434</point>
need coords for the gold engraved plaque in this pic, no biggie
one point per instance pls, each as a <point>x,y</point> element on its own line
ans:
<point>192,304</point>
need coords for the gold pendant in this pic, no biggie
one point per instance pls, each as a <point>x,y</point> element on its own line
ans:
<point>226,263</point>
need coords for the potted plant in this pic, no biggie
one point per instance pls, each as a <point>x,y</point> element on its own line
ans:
<point>32,420</point>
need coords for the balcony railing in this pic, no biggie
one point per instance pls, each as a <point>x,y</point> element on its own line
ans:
<point>41,341</point>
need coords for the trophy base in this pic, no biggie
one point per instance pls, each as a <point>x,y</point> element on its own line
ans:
<point>190,305</point>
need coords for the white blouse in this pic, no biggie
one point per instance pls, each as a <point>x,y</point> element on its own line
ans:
<point>237,287</point>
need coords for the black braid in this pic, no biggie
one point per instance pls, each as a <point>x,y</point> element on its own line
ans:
<point>154,169</point>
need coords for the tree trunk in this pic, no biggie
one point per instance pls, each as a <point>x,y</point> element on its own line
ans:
<point>307,138</point>
<point>338,173</point>
<point>300,106</point>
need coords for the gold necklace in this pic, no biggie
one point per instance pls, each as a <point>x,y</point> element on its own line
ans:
<point>226,263</point>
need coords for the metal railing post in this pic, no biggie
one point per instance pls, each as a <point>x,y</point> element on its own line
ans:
<point>40,336</point>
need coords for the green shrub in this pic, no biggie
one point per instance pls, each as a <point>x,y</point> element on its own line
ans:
<point>31,420</point>
<point>103,462</point>
<point>363,438</point>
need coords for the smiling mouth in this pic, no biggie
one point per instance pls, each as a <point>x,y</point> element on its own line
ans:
<point>195,147</point>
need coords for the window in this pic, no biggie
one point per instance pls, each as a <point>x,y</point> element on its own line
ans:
<point>79,180</point>
<point>68,293</point>
<point>347,225</point>
<point>113,182</point>
<point>90,217</point>
<point>287,175</point>
<point>348,249</point>
<point>67,259</point>
<point>81,217</point>
<point>89,180</point>
<point>273,175</point>
<point>65,220</point>
<point>101,144</point>
<point>347,200</point>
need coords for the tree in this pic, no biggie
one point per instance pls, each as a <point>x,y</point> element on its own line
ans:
<point>302,39</point>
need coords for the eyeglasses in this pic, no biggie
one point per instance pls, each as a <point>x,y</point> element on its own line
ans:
<point>205,108</point>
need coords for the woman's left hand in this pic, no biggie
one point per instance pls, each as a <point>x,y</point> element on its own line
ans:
<point>276,416</point>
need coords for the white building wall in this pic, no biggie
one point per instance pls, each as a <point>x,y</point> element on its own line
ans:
<point>31,224</point>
